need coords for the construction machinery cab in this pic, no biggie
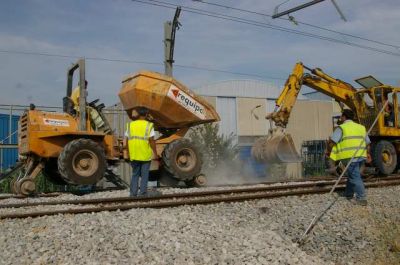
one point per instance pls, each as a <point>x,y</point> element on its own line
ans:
<point>75,102</point>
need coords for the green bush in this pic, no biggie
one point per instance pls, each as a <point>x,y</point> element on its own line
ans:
<point>43,185</point>
<point>216,148</point>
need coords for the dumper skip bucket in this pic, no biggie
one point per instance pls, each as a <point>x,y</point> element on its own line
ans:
<point>276,147</point>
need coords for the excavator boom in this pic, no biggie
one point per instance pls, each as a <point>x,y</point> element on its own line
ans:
<point>278,146</point>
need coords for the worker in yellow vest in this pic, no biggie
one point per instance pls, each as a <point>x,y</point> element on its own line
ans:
<point>142,148</point>
<point>350,143</point>
<point>75,96</point>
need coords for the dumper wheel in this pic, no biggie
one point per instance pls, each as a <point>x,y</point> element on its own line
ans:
<point>182,159</point>
<point>198,181</point>
<point>27,187</point>
<point>82,161</point>
<point>50,171</point>
<point>384,157</point>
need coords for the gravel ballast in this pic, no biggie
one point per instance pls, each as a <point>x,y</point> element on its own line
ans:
<point>255,232</point>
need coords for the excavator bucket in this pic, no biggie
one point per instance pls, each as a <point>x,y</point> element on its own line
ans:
<point>276,147</point>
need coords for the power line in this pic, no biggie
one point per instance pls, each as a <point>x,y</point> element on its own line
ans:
<point>299,22</point>
<point>263,25</point>
<point>137,62</point>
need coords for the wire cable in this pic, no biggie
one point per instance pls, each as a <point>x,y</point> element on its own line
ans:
<point>139,62</point>
<point>263,25</point>
<point>299,22</point>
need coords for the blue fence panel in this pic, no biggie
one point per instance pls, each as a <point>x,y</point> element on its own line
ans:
<point>251,167</point>
<point>8,157</point>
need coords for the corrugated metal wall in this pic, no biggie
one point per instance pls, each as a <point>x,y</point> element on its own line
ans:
<point>8,157</point>
<point>251,116</point>
<point>226,108</point>
<point>118,119</point>
<point>310,120</point>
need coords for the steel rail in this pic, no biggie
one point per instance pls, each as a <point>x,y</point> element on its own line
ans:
<point>194,194</point>
<point>169,196</point>
<point>50,194</point>
<point>171,201</point>
<point>54,194</point>
<point>271,187</point>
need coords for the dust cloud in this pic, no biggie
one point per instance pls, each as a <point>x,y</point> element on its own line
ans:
<point>239,172</point>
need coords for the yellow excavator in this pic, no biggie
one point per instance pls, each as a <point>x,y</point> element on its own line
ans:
<point>366,102</point>
<point>78,146</point>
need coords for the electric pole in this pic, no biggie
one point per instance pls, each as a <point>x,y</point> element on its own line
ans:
<point>170,28</point>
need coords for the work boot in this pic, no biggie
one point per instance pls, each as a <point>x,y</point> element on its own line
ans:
<point>361,202</point>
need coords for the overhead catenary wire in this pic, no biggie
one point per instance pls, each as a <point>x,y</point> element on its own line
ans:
<point>91,58</point>
<point>301,23</point>
<point>262,25</point>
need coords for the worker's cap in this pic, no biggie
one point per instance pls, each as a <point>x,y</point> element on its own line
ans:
<point>348,113</point>
<point>142,111</point>
<point>86,83</point>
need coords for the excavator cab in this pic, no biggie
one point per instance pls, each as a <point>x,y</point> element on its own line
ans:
<point>375,97</point>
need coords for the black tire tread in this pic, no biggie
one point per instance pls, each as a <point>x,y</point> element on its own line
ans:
<point>73,146</point>
<point>169,152</point>
<point>377,158</point>
<point>50,171</point>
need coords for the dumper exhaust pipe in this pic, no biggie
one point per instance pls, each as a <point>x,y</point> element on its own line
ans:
<point>276,147</point>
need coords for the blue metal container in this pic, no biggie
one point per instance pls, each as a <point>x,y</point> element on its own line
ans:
<point>250,166</point>
<point>8,157</point>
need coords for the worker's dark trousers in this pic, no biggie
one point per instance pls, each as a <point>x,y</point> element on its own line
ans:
<point>354,182</point>
<point>139,169</point>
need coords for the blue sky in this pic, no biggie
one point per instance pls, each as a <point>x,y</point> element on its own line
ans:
<point>123,29</point>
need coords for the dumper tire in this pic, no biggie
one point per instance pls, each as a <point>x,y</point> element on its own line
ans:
<point>182,159</point>
<point>198,181</point>
<point>384,157</point>
<point>50,171</point>
<point>82,162</point>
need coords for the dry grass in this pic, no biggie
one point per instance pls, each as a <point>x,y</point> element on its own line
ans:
<point>388,247</point>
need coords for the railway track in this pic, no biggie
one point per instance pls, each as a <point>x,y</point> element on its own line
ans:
<point>59,193</point>
<point>55,194</point>
<point>30,209</point>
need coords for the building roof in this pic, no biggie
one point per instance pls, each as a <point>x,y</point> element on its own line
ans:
<point>315,95</point>
<point>241,88</point>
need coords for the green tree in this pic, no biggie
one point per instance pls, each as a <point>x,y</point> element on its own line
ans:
<point>216,148</point>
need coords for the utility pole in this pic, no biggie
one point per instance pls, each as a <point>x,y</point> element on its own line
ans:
<point>170,28</point>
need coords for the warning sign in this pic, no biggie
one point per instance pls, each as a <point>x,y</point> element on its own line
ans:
<point>56,122</point>
<point>187,102</point>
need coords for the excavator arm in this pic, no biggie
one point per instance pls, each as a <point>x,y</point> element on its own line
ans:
<point>339,90</point>
<point>278,146</point>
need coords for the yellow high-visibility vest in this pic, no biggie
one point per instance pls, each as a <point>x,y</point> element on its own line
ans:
<point>75,97</point>
<point>138,140</point>
<point>333,154</point>
<point>353,138</point>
